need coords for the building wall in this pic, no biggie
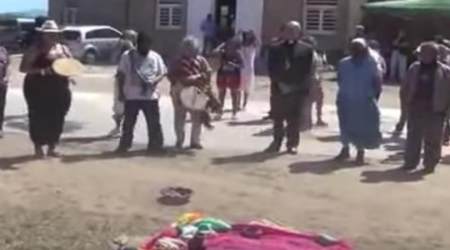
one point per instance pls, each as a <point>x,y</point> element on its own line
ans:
<point>142,17</point>
<point>275,14</point>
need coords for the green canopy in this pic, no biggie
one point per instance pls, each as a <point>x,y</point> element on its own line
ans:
<point>410,7</point>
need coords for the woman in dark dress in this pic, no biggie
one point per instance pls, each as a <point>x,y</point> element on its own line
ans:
<point>47,94</point>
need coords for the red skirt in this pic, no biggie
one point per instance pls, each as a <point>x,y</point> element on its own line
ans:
<point>229,81</point>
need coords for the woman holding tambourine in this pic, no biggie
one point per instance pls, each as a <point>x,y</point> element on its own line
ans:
<point>47,92</point>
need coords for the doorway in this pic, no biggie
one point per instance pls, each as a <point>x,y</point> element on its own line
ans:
<point>225,19</point>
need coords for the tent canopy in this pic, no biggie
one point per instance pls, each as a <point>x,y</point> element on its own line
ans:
<point>410,7</point>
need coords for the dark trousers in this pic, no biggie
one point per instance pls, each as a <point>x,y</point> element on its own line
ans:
<point>286,109</point>
<point>403,115</point>
<point>424,128</point>
<point>152,118</point>
<point>3,90</point>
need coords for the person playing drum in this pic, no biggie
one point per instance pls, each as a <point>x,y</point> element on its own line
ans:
<point>191,71</point>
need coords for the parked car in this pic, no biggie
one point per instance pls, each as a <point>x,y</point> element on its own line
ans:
<point>13,31</point>
<point>91,44</point>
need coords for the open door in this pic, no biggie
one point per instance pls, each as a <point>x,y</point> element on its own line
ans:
<point>225,18</point>
<point>197,12</point>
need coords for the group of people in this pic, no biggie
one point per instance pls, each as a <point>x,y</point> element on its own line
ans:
<point>294,71</point>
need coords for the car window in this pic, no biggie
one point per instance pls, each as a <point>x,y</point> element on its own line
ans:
<point>71,35</point>
<point>102,33</point>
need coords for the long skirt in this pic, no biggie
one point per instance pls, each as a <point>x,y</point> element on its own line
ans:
<point>48,99</point>
<point>359,122</point>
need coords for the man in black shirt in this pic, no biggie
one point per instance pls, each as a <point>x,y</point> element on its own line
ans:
<point>290,68</point>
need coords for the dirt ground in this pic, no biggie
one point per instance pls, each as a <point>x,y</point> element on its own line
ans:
<point>88,197</point>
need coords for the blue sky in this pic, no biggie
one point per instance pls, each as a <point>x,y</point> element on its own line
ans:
<point>21,5</point>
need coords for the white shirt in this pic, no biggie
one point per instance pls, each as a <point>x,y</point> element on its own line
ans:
<point>150,67</point>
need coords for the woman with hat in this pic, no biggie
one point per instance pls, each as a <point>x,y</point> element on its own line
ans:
<point>47,93</point>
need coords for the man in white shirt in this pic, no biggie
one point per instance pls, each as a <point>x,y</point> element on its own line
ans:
<point>139,72</point>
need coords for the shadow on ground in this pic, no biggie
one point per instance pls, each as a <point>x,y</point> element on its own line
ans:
<point>391,175</point>
<point>10,163</point>
<point>322,167</point>
<point>257,157</point>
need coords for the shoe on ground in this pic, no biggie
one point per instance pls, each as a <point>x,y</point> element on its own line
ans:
<point>321,124</point>
<point>114,132</point>
<point>292,151</point>
<point>121,150</point>
<point>273,148</point>
<point>196,146</point>
<point>53,154</point>
<point>360,158</point>
<point>429,170</point>
<point>343,155</point>
<point>408,167</point>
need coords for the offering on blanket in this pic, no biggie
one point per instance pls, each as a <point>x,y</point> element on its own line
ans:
<point>193,232</point>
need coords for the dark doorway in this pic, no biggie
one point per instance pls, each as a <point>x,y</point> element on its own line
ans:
<point>225,18</point>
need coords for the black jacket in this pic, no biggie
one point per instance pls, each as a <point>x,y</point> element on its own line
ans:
<point>291,65</point>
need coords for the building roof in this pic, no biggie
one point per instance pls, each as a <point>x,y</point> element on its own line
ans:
<point>410,7</point>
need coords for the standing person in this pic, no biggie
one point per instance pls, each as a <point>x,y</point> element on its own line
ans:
<point>316,95</point>
<point>229,73</point>
<point>427,94</point>
<point>248,54</point>
<point>360,32</point>
<point>209,29</point>
<point>128,42</point>
<point>190,69</point>
<point>139,72</point>
<point>290,64</point>
<point>399,57</point>
<point>359,82</point>
<point>276,41</point>
<point>4,79</point>
<point>47,94</point>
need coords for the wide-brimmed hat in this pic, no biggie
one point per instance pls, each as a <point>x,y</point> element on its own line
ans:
<point>49,26</point>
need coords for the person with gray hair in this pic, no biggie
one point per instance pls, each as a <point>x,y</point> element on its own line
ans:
<point>427,96</point>
<point>190,69</point>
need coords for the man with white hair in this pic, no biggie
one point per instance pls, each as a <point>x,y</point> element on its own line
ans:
<point>427,96</point>
<point>290,69</point>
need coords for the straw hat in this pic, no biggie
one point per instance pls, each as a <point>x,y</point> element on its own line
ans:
<point>49,26</point>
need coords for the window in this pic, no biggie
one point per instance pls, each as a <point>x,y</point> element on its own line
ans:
<point>170,14</point>
<point>71,35</point>
<point>321,16</point>
<point>70,15</point>
<point>102,34</point>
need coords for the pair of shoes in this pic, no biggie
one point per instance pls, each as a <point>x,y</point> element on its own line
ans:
<point>196,146</point>
<point>292,151</point>
<point>343,155</point>
<point>273,148</point>
<point>360,158</point>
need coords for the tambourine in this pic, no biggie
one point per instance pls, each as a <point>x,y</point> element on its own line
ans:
<point>194,99</point>
<point>68,67</point>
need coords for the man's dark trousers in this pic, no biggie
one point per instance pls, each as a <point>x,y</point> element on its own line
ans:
<point>150,108</point>
<point>286,108</point>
